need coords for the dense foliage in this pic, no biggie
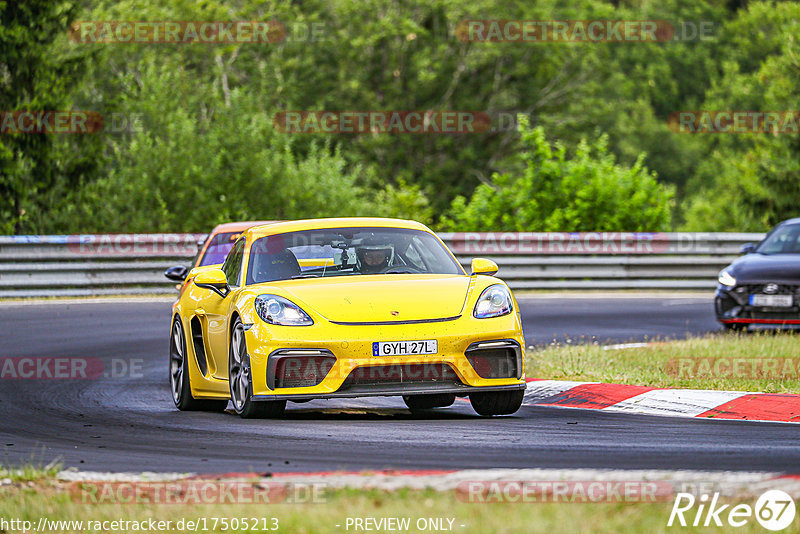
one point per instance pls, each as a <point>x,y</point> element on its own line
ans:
<point>593,150</point>
<point>588,192</point>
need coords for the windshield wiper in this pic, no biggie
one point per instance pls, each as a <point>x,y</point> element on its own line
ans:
<point>307,275</point>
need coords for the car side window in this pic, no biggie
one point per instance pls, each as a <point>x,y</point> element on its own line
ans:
<point>426,257</point>
<point>414,257</point>
<point>233,264</point>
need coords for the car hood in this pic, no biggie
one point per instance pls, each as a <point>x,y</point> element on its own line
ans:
<point>762,268</point>
<point>381,298</point>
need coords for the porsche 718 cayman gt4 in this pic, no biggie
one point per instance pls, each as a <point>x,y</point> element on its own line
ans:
<point>347,307</point>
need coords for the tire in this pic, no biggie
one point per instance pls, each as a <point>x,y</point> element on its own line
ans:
<point>179,378</point>
<point>735,327</point>
<point>497,402</point>
<point>241,383</point>
<point>421,403</point>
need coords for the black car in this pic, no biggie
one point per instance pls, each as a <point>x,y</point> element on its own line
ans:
<point>763,286</point>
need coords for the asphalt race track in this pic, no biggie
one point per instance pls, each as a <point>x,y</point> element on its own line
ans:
<point>614,319</point>
<point>128,422</point>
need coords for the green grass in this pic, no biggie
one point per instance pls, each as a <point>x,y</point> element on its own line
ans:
<point>52,500</point>
<point>650,365</point>
<point>29,472</point>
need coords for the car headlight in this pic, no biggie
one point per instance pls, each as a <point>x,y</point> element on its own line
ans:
<point>278,310</point>
<point>495,301</point>
<point>726,279</point>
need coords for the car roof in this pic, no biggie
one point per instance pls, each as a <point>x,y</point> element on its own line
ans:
<point>238,226</point>
<point>791,221</point>
<point>339,222</point>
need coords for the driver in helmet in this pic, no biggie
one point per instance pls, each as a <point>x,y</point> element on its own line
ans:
<point>374,258</point>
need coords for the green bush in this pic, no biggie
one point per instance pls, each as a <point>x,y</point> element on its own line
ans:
<point>588,191</point>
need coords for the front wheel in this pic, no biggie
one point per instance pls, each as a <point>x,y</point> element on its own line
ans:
<point>497,402</point>
<point>421,403</point>
<point>241,384</point>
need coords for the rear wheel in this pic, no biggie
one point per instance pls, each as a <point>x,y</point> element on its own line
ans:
<point>179,376</point>
<point>497,402</point>
<point>240,377</point>
<point>419,403</point>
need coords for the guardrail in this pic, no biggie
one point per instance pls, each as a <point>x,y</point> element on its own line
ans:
<point>82,265</point>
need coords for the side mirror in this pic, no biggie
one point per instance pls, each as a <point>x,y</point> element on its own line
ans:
<point>483,266</point>
<point>177,273</point>
<point>213,279</point>
<point>748,248</point>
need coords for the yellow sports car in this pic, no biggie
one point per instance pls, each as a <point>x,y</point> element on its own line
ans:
<point>349,307</point>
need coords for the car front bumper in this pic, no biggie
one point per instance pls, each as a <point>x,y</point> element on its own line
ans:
<point>732,306</point>
<point>391,391</point>
<point>352,348</point>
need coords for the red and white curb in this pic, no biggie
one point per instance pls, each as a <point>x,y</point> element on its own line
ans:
<point>737,405</point>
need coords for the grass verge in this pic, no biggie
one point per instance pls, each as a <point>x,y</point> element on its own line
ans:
<point>51,500</point>
<point>29,472</point>
<point>765,361</point>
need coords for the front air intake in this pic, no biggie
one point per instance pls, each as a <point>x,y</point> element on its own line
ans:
<point>495,359</point>
<point>298,368</point>
<point>199,346</point>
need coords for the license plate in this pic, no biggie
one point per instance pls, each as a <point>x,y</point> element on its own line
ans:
<point>404,348</point>
<point>771,301</point>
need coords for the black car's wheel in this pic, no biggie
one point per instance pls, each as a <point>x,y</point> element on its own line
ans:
<point>735,327</point>
<point>497,402</point>
<point>419,403</point>
<point>241,383</point>
<point>179,379</point>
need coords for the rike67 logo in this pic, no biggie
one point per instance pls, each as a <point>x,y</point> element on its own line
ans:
<point>774,510</point>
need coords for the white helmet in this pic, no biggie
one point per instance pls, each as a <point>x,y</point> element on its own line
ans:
<point>374,258</point>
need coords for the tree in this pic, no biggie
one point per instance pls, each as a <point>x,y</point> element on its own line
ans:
<point>37,73</point>
<point>185,170</point>
<point>751,181</point>
<point>588,191</point>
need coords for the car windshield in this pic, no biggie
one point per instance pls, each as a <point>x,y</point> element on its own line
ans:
<point>784,240</point>
<point>347,252</point>
<point>218,249</point>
